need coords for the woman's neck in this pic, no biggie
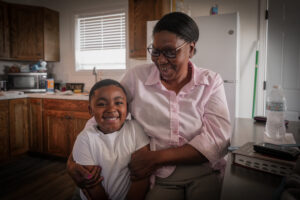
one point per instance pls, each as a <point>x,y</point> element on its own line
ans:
<point>177,84</point>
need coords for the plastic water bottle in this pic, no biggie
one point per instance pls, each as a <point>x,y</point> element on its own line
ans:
<point>214,9</point>
<point>276,106</point>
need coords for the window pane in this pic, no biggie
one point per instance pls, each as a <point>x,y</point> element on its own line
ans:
<point>102,59</point>
<point>101,42</point>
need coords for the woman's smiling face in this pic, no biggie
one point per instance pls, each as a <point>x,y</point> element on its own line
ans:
<point>109,107</point>
<point>171,69</point>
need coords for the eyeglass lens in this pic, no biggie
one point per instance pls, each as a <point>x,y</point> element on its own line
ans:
<point>167,53</point>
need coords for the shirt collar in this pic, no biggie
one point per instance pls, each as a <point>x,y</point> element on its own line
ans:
<point>154,77</point>
<point>199,76</point>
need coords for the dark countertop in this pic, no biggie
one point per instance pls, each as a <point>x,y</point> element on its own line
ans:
<point>243,183</point>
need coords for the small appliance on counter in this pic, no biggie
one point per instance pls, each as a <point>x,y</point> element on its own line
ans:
<point>75,87</point>
<point>3,85</point>
<point>27,82</point>
<point>50,85</point>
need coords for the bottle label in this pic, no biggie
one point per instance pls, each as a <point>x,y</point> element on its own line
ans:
<point>275,106</point>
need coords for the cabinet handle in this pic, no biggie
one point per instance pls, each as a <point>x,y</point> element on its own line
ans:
<point>67,117</point>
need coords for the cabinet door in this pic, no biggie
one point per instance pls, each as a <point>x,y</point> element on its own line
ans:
<point>141,11</point>
<point>51,35</point>
<point>18,120</point>
<point>79,121</point>
<point>63,121</point>
<point>57,127</point>
<point>35,125</point>
<point>26,32</point>
<point>4,31</point>
<point>4,130</point>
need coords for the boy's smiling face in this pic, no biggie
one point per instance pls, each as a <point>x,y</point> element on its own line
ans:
<point>109,107</point>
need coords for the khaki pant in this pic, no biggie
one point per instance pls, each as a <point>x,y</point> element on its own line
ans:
<point>189,182</point>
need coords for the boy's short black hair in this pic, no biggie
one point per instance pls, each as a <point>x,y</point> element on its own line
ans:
<point>103,83</point>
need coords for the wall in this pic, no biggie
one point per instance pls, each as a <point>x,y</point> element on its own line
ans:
<point>249,33</point>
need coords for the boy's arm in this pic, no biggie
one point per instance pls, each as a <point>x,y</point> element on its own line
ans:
<point>96,191</point>
<point>82,154</point>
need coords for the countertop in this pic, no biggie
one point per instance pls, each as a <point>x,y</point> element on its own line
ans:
<point>16,95</point>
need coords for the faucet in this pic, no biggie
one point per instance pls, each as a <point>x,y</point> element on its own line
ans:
<point>95,74</point>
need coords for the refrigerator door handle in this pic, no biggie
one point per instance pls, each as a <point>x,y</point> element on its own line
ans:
<point>229,81</point>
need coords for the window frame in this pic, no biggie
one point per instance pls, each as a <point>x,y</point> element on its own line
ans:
<point>88,13</point>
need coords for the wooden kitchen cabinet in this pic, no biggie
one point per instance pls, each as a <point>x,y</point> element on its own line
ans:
<point>51,35</point>
<point>63,121</point>
<point>78,123</point>
<point>34,33</point>
<point>26,32</point>
<point>40,125</point>
<point>141,11</point>
<point>57,128</point>
<point>4,31</point>
<point>18,126</point>
<point>4,130</point>
<point>35,110</point>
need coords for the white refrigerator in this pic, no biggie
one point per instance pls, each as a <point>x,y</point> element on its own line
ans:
<point>217,49</point>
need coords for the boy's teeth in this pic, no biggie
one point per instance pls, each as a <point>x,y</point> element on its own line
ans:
<point>110,118</point>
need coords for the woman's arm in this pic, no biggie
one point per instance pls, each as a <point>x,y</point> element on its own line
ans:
<point>143,163</point>
<point>96,191</point>
<point>138,189</point>
<point>185,154</point>
<point>82,176</point>
<point>88,178</point>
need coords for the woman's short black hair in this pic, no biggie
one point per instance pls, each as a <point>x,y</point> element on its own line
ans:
<point>180,24</point>
<point>103,83</point>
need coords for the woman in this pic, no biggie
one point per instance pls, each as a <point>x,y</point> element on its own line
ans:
<point>183,110</point>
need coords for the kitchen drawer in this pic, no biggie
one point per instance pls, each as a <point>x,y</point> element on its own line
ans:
<point>67,105</point>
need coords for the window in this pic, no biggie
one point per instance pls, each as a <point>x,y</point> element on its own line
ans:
<point>100,42</point>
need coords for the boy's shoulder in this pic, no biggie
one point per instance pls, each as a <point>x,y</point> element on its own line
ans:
<point>132,124</point>
<point>132,127</point>
<point>88,131</point>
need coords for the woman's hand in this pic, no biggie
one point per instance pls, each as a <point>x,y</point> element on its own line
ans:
<point>83,177</point>
<point>143,163</point>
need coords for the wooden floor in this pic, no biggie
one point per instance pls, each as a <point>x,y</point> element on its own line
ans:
<point>35,177</point>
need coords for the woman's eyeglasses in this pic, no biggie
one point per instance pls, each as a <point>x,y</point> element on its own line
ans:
<point>170,53</point>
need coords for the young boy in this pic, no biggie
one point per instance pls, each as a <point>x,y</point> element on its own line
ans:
<point>110,143</point>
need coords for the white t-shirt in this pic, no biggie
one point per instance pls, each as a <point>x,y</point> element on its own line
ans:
<point>112,152</point>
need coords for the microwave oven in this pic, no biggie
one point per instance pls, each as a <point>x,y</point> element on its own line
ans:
<point>27,82</point>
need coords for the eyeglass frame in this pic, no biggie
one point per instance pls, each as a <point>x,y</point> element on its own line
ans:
<point>163,51</point>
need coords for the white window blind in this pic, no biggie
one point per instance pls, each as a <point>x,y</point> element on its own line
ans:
<point>100,42</point>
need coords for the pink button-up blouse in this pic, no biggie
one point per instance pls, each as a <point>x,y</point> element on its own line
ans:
<point>197,115</point>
